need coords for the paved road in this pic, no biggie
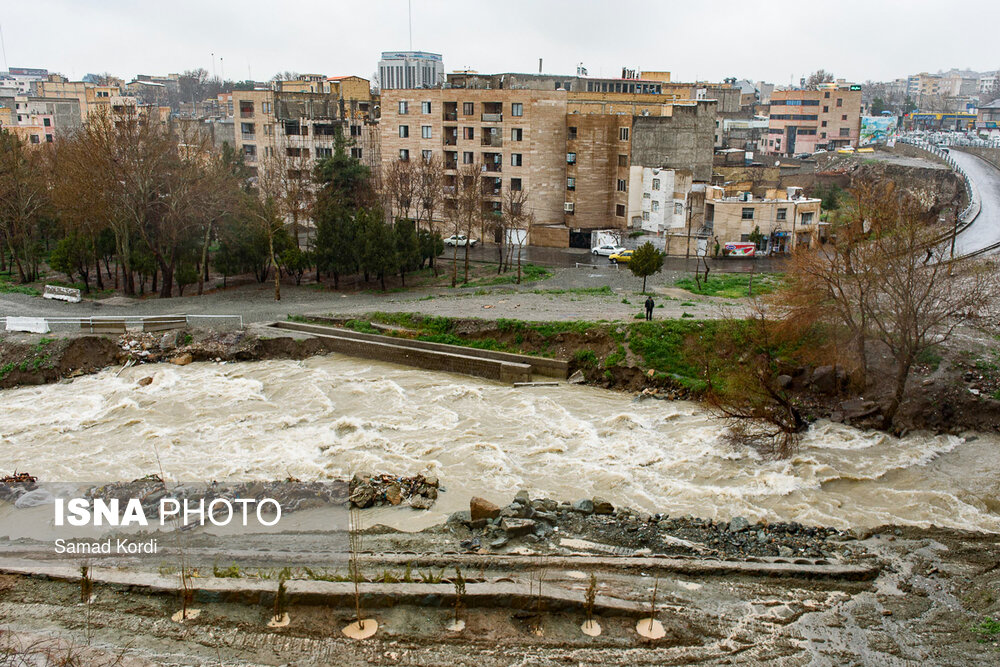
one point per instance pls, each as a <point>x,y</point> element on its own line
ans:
<point>985,230</point>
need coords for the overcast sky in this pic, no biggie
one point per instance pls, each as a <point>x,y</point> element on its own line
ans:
<point>694,39</point>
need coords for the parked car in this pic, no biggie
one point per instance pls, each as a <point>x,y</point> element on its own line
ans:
<point>460,240</point>
<point>607,249</point>
<point>623,256</point>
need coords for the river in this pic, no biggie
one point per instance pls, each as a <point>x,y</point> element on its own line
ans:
<point>328,417</point>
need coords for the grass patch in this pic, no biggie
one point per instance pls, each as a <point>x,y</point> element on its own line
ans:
<point>986,630</point>
<point>7,287</point>
<point>603,290</point>
<point>452,339</point>
<point>930,358</point>
<point>585,358</point>
<point>733,285</point>
<point>529,273</point>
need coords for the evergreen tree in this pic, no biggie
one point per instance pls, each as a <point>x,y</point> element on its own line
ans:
<point>646,260</point>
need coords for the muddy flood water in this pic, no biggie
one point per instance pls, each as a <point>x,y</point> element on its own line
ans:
<point>331,416</point>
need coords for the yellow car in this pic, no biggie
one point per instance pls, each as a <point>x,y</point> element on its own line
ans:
<point>865,150</point>
<point>623,256</point>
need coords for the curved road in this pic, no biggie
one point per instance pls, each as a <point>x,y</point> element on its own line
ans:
<point>985,230</point>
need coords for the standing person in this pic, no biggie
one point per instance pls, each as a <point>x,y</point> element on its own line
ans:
<point>649,308</point>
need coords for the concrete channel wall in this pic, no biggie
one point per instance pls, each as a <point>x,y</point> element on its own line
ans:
<point>434,360</point>
<point>557,368</point>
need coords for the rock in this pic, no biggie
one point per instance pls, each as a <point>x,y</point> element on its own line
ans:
<point>784,381</point>
<point>602,506</point>
<point>498,543</point>
<point>824,379</point>
<point>432,481</point>
<point>459,517</point>
<point>785,552</point>
<point>545,505</point>
<point>182,359</point>
<point>761,537</point>
<point>360,478</point>
<point>420,502</point>
<point>478,524</point>
<point>858,407</point>
<point>577,378</point>
<point>584,506</point>
<point>738,524</point>
<point>363,496</point>
<point>517,527</point>
<point>145,382</point>
<point>522,497</point>
<point>480,508</point>
<point>394,494</point>
<point>429,491</point>
<point>470,545</point>
<point>36,498</point>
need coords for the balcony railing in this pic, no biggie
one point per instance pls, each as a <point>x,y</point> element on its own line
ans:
<point>492,140</point>
<point>496,166</point>
<point>451,141</point>
<point>492,117</point>
<point>451,165</point>
<point>249,136</point>
<point>450,115</point>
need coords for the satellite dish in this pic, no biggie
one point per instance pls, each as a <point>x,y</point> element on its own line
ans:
<point>777,163</point>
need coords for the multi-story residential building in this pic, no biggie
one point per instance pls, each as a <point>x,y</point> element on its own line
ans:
<point>988,117</point>
<point>780,222</point>
<point>39,119</point>
<point>573,151</point>
<point>90,97</point>
<point>23,78</point>
<point>410,69</point>
<point>803,121</point>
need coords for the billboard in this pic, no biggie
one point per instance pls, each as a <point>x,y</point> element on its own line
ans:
<point>877,129</point>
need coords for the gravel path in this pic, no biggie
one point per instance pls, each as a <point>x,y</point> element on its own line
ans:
<point>551,299</point>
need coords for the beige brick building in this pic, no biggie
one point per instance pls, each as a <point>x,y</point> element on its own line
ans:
<point>803,121</point>
<point>785,219</point>
<point>572,151</point>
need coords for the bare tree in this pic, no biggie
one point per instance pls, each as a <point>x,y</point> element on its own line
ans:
<point>398,189</point>
<point>264,209</point>
<point>516,219</point>
<point>818,77</point>
<point>23,198</point>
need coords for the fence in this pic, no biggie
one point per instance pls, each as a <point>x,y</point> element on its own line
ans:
<point>970,212</point>
<point>122,323</point>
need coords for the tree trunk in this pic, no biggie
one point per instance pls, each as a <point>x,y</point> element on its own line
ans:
<point>167,290</point>
<point>454,265</point>
<point>203,276</point>
<point>897,397</point>
<point>274,263</point>
<point>467,259</point>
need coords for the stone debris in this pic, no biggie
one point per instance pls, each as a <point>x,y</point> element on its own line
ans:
<point>367,490</point>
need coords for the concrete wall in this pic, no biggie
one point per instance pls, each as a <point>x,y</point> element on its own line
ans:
<point>991,155</point>
<point>684,140</point>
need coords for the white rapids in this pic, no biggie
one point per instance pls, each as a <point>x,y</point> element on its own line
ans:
<point>329,417</point>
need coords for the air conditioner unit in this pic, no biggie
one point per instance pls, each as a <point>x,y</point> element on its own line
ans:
<point>568,207</point>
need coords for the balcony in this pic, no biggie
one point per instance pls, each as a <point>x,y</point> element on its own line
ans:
<point>495,167</point>
<point>451,164</point>
<point>449,115</point>
<point>492,139</point>
<point>451,136</point>
<point>249,136</point>
<point>492,117</point>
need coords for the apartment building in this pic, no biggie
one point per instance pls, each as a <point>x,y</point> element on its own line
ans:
<point>572,151</point>
<point>300,127</point>
<point>803,121</point>
<point>780,222</point>
<point>410,69</point>
<point>90,97</point>
<point>39,119</point>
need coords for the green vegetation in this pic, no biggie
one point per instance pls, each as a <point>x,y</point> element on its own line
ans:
<point>530,273</point>
<point>603,290</point>
<point>7,287</point>
<point>987,630</point>
<point>231,572</point>
<point>646,260</point>
<point>930,358</point>
<point>585,358</point>
<point>733,285</point>
<point>39,358</point>
<point>482,344</point>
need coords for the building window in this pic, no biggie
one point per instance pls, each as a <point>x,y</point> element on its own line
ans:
<point>824,123</point>
<point>266,107</point>
<point>844,117</point>
<point>404,155</point>
<point>845,131</point>
<point>572,133</point>
<point>571,183</point>
<point>621,185</point>
<point>468,157</point>
<point>323,152</point>
<point>515,159</point>
<point>645,215</point>
<point>826,109</point>
<point>425,107</point>
<point>356,153</point>
<point>822,135</point>
<point>246,108</point>
<point>570,158</point>
<point>656,184</point>
<point>48,138</point>
<point>47,122</point>
<point>620,210</point>
<point>468,108</point>
<point>426,155</point>
<point>516,109</point>
<point>515,184</point>
<point>623,133</point>
<point>678,208</point>
<point>807,218</point>
<point>404,131</point>
<point>404,107</point>
<point>425,131</point>
<point>468,133</point>
<point>249,150</point>
<point>623,160</point>
<point>516,134</point>
<point>646,195</point>
<point>826,95</point>
<point>840,102</point>
<point>782,214</point>
<point>355,130</point>
<point>747,213</point>
<point>654,206</point>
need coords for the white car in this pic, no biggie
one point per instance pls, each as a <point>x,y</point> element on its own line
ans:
<point>460,240</point>
<point>607,249</point>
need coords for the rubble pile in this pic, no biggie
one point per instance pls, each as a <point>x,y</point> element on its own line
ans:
<point>419,492</point>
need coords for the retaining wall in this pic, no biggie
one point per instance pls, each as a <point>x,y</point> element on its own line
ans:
<point>434,360</point>
<point>991,155</point>
<point>557,368</point>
